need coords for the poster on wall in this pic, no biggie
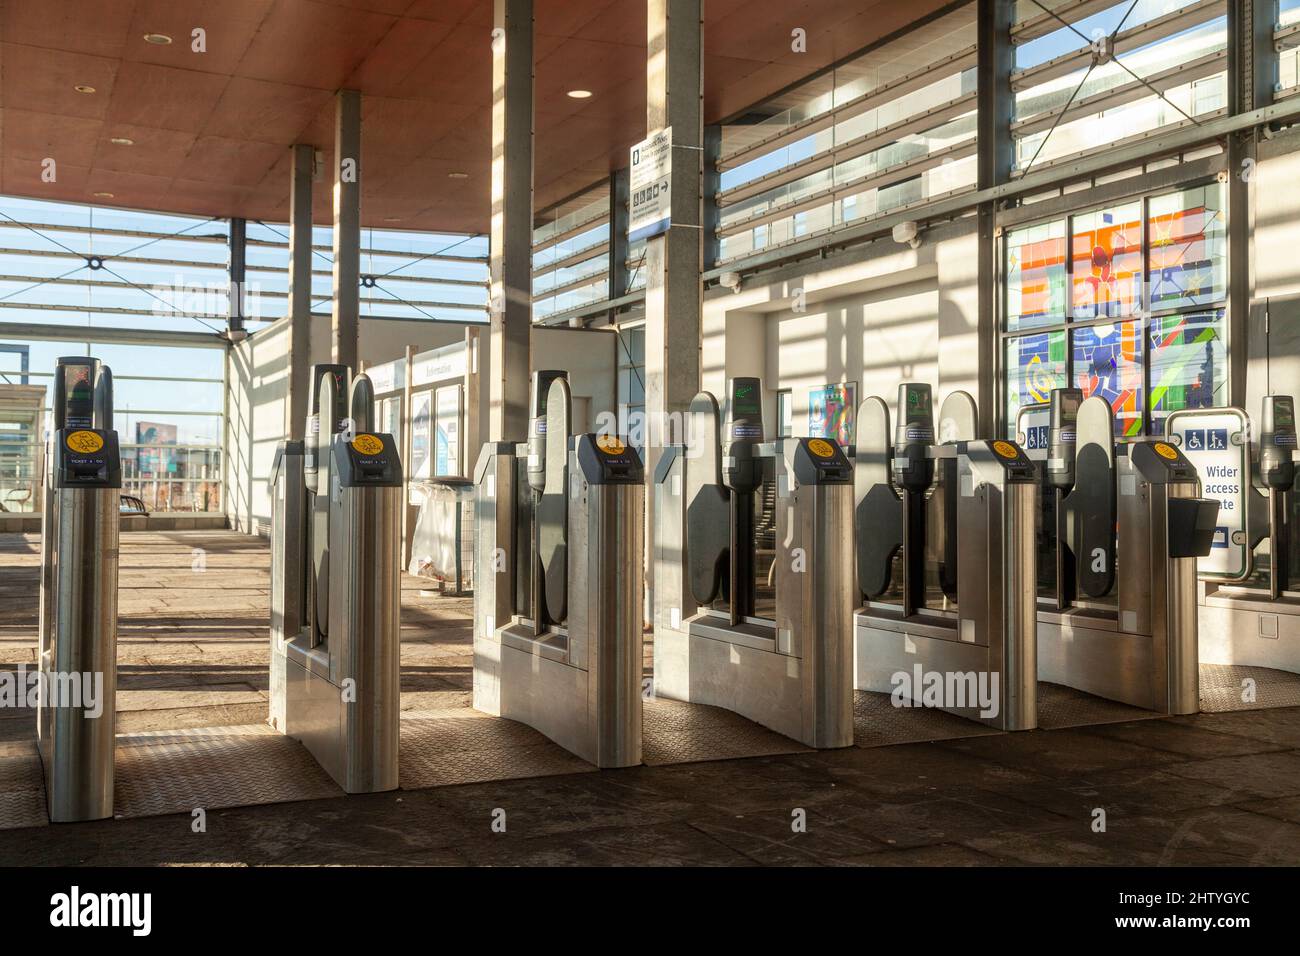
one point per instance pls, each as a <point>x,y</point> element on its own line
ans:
<point>420,422</point>
<point>154,460</point>
<point>831,412</point>
<point>447,453</point>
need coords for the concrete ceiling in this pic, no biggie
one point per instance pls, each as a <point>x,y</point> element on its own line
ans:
<point>211,130</point>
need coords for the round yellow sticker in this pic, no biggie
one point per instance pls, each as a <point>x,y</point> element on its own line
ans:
<point>821,448</point>
<point>610,444</point>
<point>368,444</point>
<point>84,442</point>
<point>1166,451</point>
<point>1006,449</point>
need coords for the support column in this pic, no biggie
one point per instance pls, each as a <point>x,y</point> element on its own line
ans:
<point>618,213</point>
<point>674,293</point>
<point>712,185</point>
<point>299,309</point>
<point>1252,72</point>
<point>511,248</point>
<point>236,287</point>
<point>994,163</point>
<point>347,228</point>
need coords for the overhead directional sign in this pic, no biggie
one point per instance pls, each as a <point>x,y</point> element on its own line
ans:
<point>1215,440</point>
<point>650,186</point>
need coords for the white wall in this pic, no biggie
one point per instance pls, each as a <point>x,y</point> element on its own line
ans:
<point>257,382</point>
<point>898,315</point>
<point>257,378</point>
<point>1273,354</point>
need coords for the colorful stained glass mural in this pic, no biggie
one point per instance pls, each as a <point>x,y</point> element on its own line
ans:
<point>1186,234</point>
<point>1188,364</point>
<point>1035,365</point>
<point>1035,278</point>
<point>1107,263</point>
<point>1108,362</point>
<point>831,410</point>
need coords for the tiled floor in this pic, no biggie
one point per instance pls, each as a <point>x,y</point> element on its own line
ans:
<point>1214,788</point>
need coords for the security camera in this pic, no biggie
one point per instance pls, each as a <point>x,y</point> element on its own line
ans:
<point>730,280</point>
<point>905,234</point>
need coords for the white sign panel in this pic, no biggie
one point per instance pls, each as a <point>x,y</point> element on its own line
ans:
<point>649,184</point>
<point>1214,441</point>
<point>1032,426</point>
<point>437,365</point>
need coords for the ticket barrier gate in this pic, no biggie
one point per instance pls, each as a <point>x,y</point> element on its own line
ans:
<point>78,595</point>
<point>335,586</point>
<point>792,672</point>
<point>1249,610</point>
<point>1122,622</point>
<point>558,629</point>
<point>976,660</point>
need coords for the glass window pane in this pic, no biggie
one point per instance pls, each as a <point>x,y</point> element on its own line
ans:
<point>1189,366</point>
<point>1107,262</point>
<point>1035,365</point>
<point>1108,362</point>
<point>1186,236</point>
<point>1036,276</point>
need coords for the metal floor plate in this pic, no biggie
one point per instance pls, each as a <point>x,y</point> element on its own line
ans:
<point>1223,687</point>
<point>22,786</point>
<point>441,748</point>
<point>677,732</point>
<point>878,723</point>
<point>1060,707</point>
<point>177,771</point>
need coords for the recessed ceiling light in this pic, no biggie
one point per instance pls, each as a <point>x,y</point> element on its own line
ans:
<point>580,94</point>
<point>392,219</point>
<point>103,195</point>
<point>157,39</point>
<point>122,141</point>
<point>82,88</point>
<point>458,175</point>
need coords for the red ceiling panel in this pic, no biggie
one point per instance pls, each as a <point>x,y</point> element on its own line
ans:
<point>212,129</point>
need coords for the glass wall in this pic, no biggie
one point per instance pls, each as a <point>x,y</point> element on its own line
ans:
<point>404,275</point>
<point>1084,82</point>
<point>1131,306</point>
<point>168,412</point>
<point>892,128</point>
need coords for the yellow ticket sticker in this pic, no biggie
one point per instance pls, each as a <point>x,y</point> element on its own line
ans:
<point>1166,451</point>
<point>368,444</point>
<point>610,444</point>
<point>1006,449</point>
<point>821,448</point>
<point>84,442</point>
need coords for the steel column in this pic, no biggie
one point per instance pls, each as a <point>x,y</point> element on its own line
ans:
<point>299,306</point>
<point>511,294</point>
<point>347,228</point>
<point>995,159</point>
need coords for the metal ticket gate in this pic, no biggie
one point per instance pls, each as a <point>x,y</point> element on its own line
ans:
<point>1121,622</point>
<point>78,595</point>
<point>335,594</point>
<point>976,659</point>
<point>1249,602</point>
<point>791,671</point>
<point>558,629</point>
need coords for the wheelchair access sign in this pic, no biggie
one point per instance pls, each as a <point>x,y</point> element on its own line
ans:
<point>1217,442</point>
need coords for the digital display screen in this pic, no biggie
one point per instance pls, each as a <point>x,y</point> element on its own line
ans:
<point>918,402</point>
<point>1283,415</point>
<point>745,399</point>
<point>79,395</point>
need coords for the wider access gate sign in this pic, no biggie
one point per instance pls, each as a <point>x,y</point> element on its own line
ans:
<point>1217,442</point>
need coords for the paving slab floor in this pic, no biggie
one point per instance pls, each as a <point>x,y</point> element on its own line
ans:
<point>1215,788</point>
